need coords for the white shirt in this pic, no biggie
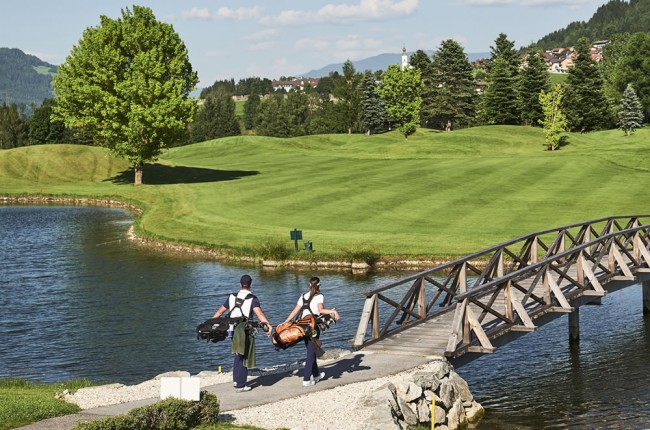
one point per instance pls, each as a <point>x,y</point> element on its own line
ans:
<point>313,305</point>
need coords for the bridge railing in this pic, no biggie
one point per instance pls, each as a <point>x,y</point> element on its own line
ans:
<point>518,281</point>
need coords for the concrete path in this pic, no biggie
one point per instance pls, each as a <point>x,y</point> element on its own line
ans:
<point>351,368</point>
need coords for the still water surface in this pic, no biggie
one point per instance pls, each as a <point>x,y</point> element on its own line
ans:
<point>78,300</point>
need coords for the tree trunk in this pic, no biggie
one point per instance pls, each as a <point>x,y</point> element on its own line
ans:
<point>138,174</point>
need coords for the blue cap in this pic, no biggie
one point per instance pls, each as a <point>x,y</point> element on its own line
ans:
<point>246,280</point>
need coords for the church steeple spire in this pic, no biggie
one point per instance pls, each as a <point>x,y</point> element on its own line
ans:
<point>405,59</point>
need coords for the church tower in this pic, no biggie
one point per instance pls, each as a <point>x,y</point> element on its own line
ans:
<point>405,59</point>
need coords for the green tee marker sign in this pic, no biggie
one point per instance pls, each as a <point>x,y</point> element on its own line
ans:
<point>296,235</point>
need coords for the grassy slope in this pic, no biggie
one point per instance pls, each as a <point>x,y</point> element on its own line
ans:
<point>440,194</point>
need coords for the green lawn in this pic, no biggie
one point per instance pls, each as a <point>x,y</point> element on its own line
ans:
<point>435,194</point>
<point>23,402</point>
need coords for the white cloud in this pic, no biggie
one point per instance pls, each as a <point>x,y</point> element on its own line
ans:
<point>196,13</point>
<point>312,44</point>
<point>239,13</point>
<point>223,12</point>
<point>570,3</point>
<point>365,10</point>
<point>261,35</point>
<point>261,46</point>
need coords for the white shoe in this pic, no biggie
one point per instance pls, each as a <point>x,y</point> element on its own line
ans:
<point>234,384</point>
<point>319,377</point>
<point>307,383</point>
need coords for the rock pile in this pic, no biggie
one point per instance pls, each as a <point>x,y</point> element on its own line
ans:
<point>410,399</point>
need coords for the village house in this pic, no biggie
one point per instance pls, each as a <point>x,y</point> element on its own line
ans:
<point>294,84</point>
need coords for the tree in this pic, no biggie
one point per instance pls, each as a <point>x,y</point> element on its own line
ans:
<point>533,79</point>
<point>41,127</point>
<point>554,121</point>
<point>128,82</point>
<point>346,91</point>
<point>401,92</point>
<point>216,118</point>
<point>373,109</point>
<point>250,109</point>
<point>13,127</point>
<point>632,66</point>
<point>500,102</point>
<point>585,104</point>
<point>421,61</point>
<point>630,114</point>
<point>453,88</point>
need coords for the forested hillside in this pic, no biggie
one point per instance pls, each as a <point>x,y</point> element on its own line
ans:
<point>617,16</point>
<point>24,78</point>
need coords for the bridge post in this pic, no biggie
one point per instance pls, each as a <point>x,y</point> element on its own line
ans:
<point>646,297</point>
<point>574,326</point>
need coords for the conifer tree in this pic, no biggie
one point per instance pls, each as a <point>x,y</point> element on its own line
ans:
<point>453,88</point>
<point>250,108</point>
<point>216,118</point>
<point>533,80</point>
<point>373,109</point>
<point>630,114</point>
<point>585,104</point>
<point>500,101</point>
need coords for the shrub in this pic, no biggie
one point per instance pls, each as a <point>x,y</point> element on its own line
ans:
<point>361,252</point>
<point>168,414</point>
<point>272,248</point>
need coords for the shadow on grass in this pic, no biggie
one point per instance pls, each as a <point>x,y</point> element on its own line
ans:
<point>159,174</point>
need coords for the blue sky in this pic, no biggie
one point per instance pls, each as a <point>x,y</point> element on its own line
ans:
<point>273,38</point>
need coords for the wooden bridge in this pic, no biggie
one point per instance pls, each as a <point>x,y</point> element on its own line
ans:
<point>472,305</point>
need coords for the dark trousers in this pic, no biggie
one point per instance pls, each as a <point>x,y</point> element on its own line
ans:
<point>239,372</point>
<point>311,367</point>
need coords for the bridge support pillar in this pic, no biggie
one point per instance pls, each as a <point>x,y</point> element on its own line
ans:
<point>646,297</point>
<point>574,326</point>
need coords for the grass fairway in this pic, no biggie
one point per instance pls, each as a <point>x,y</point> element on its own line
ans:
<point>435,194</point>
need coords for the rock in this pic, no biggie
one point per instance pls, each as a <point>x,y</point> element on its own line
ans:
<point>413,392</point>
<point>333,354</point>
<point>461,387</point>
<point>474,413</point>
<point>456,417</point>
<point>409,415</point>
<point>424,411</point>
<point>441,369</point>
<point>440,416</point>
<point>177,374</point>
<point>447,394</point>
<point>381,418</point>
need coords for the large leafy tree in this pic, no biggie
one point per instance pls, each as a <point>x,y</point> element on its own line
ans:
<point>630,113</point>
<point>453,88</point>
<point>401,90</point>
<point>128,82</point>
<point>533,79</point>
<point>585,104</point>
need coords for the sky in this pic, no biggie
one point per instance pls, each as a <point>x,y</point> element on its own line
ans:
<point>273,38</point>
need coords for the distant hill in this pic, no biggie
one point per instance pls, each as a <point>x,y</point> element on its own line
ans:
<point>378,62</point>
<point>24,78</point>
<point>614,17</point>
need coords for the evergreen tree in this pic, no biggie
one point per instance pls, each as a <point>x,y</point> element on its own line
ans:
<point>630,114</point>
<point>216,118</point>
<point>500,101</point>
<point>373,109</point>
<point>42,129</point>
<point>533,80</point>
<point>346,91</point>
<point>453,88</point>
<point>326,118</point>
<point>400,90</point>
<point>250,108</point>
<point>13,127</point>
<point>633,67</point>
<point>585,103</point>
<point>271,119</point>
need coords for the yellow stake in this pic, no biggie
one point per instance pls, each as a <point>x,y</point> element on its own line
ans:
<point>433,412</point>
<point>219,369</point>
